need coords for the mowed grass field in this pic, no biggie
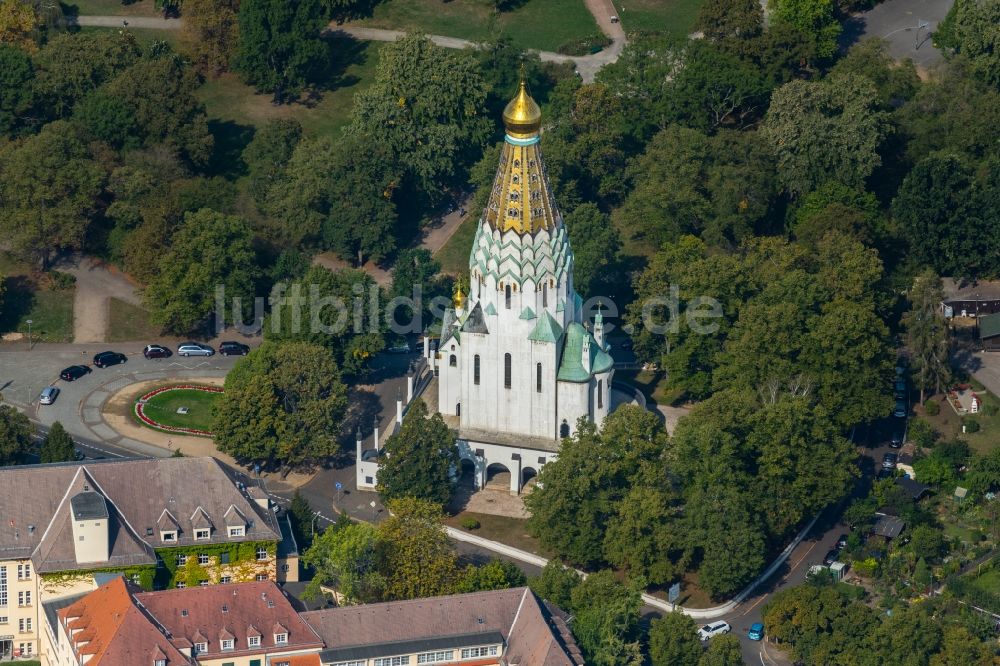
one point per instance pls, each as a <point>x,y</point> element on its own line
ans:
<point>163,408</point>
<point>534,24</point>
<point>31,295</point>
<point>674,17</point>
<point>111,8</point>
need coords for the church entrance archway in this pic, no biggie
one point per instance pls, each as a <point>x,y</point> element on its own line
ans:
<point>528,479</point>
<point>498,477</point>
<point>467,473</point>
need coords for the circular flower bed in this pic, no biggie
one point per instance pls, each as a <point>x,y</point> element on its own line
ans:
<point>141,403</point>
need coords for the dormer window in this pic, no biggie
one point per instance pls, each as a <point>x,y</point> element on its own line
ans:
<point>168,537</point>
<point>281,639</point>
<point>160,662</point>
<point>202,534</point>
<point>253,641</point>
<point>228,644</point>
<point>200,648</point>
<point>237,531</point>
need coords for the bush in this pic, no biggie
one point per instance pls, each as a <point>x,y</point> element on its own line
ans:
<point>932,407</point>
<point>469,523</point>
<point>585,46</point>
<point>62,280</point>
<point>971,425</point>
<point>922,433</point>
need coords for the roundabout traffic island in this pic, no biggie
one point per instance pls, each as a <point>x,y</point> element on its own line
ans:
<point>183,409</point>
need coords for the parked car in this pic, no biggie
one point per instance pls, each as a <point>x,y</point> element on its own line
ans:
<point>399,347</point>
<point>714,629</point>
<point>889,461</point>
<point>74,372</point>
<point>156,351</point>
<point>231,348</point>
<point>896,440</point>
<point>831,557</point>
<point>195,349</point>
<point>842,541</point>
<point>109,358</point>
<point>900,410</point>
<point>756,632</point>
<point>48,395</point>
<point>899,389</point>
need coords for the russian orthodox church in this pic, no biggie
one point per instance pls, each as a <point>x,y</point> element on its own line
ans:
<point>516,366</point>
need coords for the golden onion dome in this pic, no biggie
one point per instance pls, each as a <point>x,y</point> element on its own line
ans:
<point>522,117</point>
<point>458,300</point>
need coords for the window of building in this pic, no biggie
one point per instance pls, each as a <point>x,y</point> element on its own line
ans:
<point>135,578</point>
<point>27,649</point>
<point>506,370</point>
<point>160,662</point>
<point>200,648</point>
<point>261,554</point>
<point>600,393</point>
<point>452,361</point>
<point>24,598</point>
<point>202,534</point>
<point>475,370</point>
<point>261,577</point>
<point>253,641</point>
<point>3,586</point>
<point>228,644</point>
<point>202,558</point>
<point>168,536</point>
<point>538,377</point>
<point>435,657</point>
<point>255,662</point>
<point>507,296</point>
<point>181,585</point>
<point>24,625</point>
<point>284,568</point>
<point>280,639</point>
<point>564,429</point>
<point>351,663</point>
<point>224,557</point>
<point>182,560</point>
<point>487,651</point>
<point>236,531</point>
<point>226,579</point>
<point>202,583</point>
<point>392,661</point>
<point>24,571</point>
<point>4,619</point>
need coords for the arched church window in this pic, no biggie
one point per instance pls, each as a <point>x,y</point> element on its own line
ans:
<point>452,361</point>
<point>507,296</point>
<point>600,394</point>
<point>534,177</point>
<point>515,179</point>
<point>538,377</point>
<point>458,409</point>
<point>536,195</point>
<point>514,196</point>
<point>506,371</point>
<point>475,370</point>
<point>545,295</point>
<point>517,164</point>
<point>564,429</point>
<point>531,164</point>
<point>511,212</point>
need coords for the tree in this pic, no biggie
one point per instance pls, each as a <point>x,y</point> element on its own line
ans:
<point>280,47</point>
<point>825,130</point>
<point>723,650</point>
<point>596,246</point>
<point>922,574</point>
<point>673,641</point>
<point>57,445</point>
<point>722,20</point>
<point>16,433</point>
<point>209,251</point>
<point>48,192</point>
<point>927,334</point>
<point>316,309</point>
<point>643,537</point>
<point>346,559</point>
<point>895,81</point>
<point>606,620</point>
<point>424,110</point>
<point>268,153</point>
<point>106,118</point>
<point>416,274</point>
<point>555,584</point>
<point>302,520</point>
<point>338,195</point>
<point>415,554</point>
<point>420,459</point>
<point>970,27</point>
<point>16,95</point>
<point>814,18</point>
<point>211,30</point>
<point>18,25</point>
<point>283,406</point>
<point>496,574</point>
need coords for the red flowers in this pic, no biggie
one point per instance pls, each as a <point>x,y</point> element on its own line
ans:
<point>141,403</point>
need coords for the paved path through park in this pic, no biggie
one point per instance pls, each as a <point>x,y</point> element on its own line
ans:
<point>155,22</point>
<point>96,285</point>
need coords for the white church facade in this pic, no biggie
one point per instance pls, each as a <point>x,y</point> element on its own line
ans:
<point>516,366</point>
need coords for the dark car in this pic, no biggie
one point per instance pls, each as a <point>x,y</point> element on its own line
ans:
<point>156,351</point>
<point>109,358</point>
<point>74,372</point>
<point>234,349</point>
<point>842,541</point>
<point>831,557</point>
<point>896,440</point>
<point>889,461</point>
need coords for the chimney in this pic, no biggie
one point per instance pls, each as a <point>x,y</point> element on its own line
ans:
<point>359,439</point>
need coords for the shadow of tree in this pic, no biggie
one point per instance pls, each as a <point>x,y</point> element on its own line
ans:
<point>230,140</point>
<point>17,302</point>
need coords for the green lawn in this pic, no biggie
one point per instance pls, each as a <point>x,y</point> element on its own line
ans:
<point>454,256</point>
<point>127,322</point>
<point>232,105</point>
<point>989,581</point>
<point>675,17</point>
<point>536,24</point>
<point>145,36</point>
<point>111,8</point>
<point>511,531</point>
<point>949,424</point>
<point>163,408</point>
<point>30,295</point>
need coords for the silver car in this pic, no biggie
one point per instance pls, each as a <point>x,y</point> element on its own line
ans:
<point>48,395</point>
<point>194,349</point>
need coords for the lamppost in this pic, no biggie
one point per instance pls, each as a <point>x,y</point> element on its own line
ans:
<point>29,334</point>
<point>312,525</point>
